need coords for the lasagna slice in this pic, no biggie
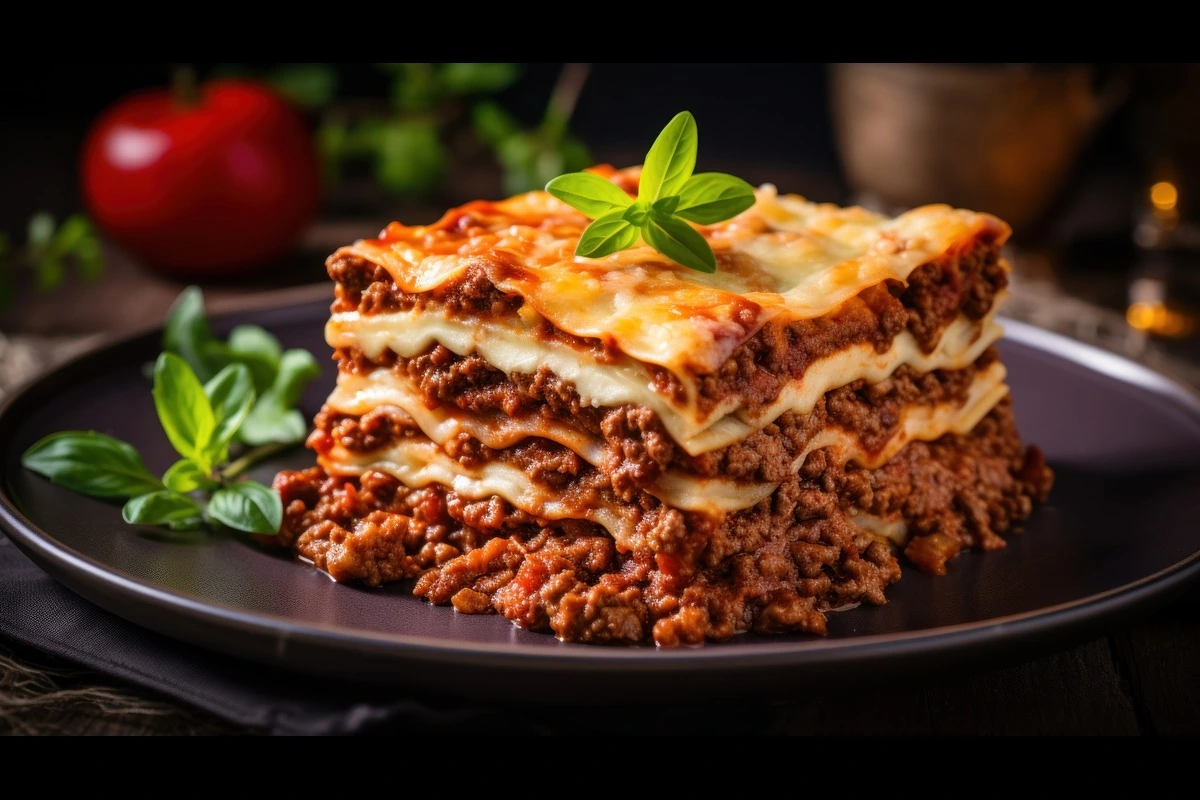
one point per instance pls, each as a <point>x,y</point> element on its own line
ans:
<point>622,449</point>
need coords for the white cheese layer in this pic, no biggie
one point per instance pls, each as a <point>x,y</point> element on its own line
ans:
<point>419,462</point>
<point>514,349</point>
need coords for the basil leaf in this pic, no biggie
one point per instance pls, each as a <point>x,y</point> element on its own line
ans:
<point>160,508</point>
<point>230,395</point>
<point>671,159</point>
<point>273,425</point>
<point>274,418</point>
<point>637,213</point>
<point>247,506</point>
<point>188,334</point>
<point>91,463</point>
<point>712,197</point>
<point>608,234</point>
<point>184,476</point>
<point>183,409</point>
<point>679,242</point>
<point>589,193</point>
<point>665,206</point>
<point>258,350</point>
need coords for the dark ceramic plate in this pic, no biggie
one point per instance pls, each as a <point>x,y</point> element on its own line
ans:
<point>1122,530</point>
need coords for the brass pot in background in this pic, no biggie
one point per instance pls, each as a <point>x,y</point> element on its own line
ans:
<point>996,138</point>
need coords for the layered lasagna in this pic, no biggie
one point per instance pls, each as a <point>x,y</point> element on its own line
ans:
<point>623,450</point>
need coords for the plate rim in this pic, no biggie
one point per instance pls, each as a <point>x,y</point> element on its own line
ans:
<point>961,639</point>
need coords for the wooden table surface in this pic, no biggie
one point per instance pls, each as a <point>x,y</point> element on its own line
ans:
<point>1139,678</point>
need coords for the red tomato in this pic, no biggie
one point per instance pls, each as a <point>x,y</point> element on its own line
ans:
<point>202,189</point>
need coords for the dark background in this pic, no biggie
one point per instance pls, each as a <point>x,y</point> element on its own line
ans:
<point>767,119</point>
<point>766,122</point>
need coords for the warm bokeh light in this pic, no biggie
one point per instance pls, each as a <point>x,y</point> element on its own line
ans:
<point>1156,318</point>
<point>1164,195</point>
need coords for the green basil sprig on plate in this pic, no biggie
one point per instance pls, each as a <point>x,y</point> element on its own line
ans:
<point>669,197</point>
<point>200,421</point>
<point>212,398</point>
<point>279,376</point>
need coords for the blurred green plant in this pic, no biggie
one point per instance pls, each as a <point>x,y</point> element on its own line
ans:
<point>49,249</point>
<point>411,144</point>
<point>530,158</point>
<point>310,86</point>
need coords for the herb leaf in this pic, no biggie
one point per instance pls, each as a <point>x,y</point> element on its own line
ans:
<point>247,506</point>
<point>589,193</point>
<point>201,420</point>
<point>184,476</point>
<point>679,242</point>
<point>230,395</point>
<point>274,417</point>
<point>258,350</point>
<point>91,463</point>
<point>669,196</point>
<point>671,159</point>
<point>184,410</point>
<point>162,508</point>
<point>188,334</point>
<point>711,197</point>
<point>608,234</point>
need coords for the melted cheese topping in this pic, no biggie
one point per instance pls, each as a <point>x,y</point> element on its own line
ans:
<point>511,347</point>
<point>419,462</point>
<point>783,256</point>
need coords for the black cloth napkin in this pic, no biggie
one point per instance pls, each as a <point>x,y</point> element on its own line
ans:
<point>36,611</point>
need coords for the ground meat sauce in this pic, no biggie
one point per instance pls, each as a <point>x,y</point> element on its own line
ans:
<point>776,567</point>
<point>935,294</point>
<point>637,446</point>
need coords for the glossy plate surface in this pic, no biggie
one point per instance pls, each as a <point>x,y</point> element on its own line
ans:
<point>1122,530</point>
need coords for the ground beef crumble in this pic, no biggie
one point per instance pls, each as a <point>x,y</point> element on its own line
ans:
<point>637,447</point>
<point>776,567</point>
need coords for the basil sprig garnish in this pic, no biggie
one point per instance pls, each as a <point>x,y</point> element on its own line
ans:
<point>669,197</point>
<point>279,376</point>
<point>209,402</point>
